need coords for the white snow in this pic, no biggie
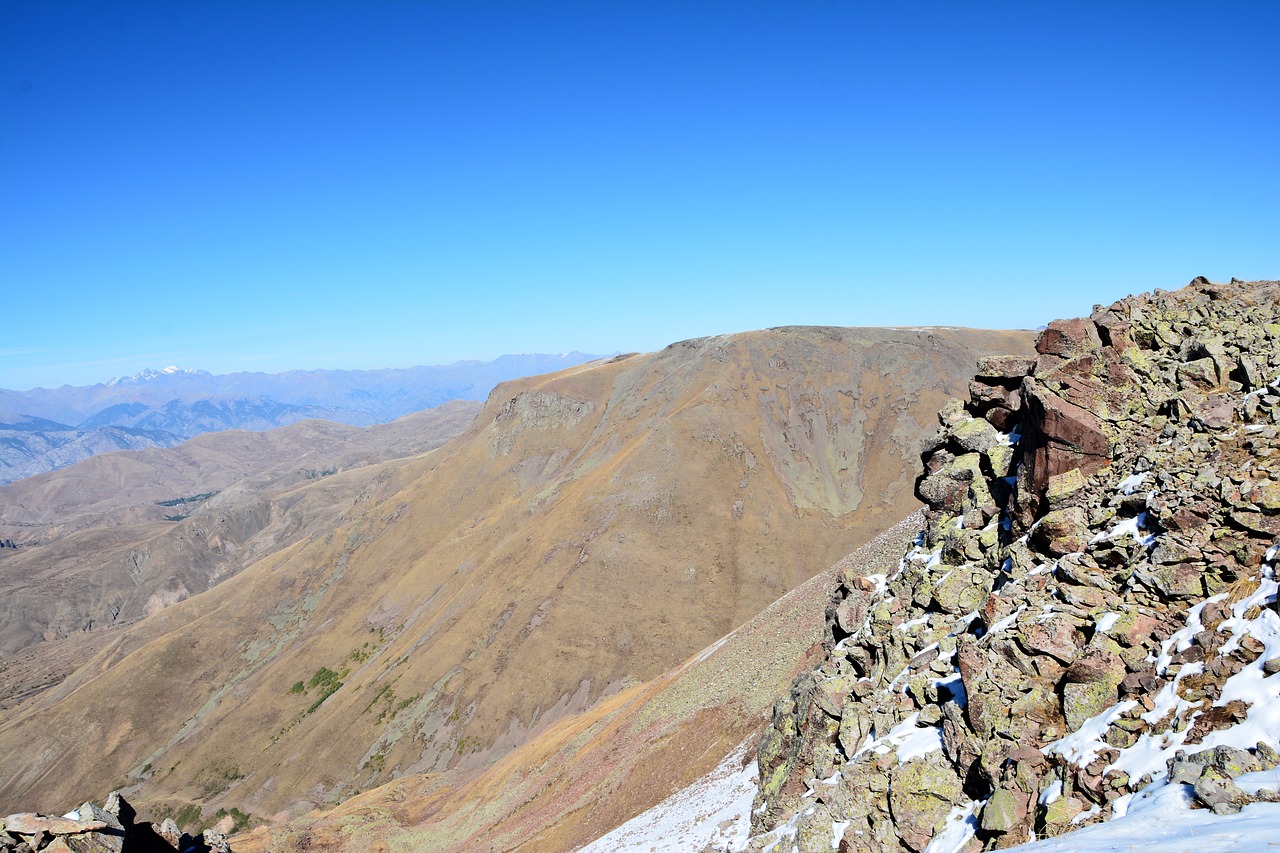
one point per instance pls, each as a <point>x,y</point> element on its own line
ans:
<point>714,810</point>
<point>1129,526</point>
<point>909,740</point>
<point>954,684</point>
<point>914,623</point>
<point>1159,819</point>
<point>1086,815</point>
<point>1251,685</point>
<point>1008,620</point>
<point>1082,745</point>
<point>1106,622</point>
<point>1128,484</point>
<point>961,825</point>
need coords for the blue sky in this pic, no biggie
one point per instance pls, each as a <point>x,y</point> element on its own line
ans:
<point>267,186</point>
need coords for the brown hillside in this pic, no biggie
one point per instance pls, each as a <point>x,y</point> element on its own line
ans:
<point>592,529</point>
<point>594,771</point>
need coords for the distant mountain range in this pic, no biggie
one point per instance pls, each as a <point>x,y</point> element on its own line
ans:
<point>48,428</point>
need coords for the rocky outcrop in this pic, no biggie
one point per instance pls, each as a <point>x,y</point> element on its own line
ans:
<point>109,829</point>
<point>1090,607</point>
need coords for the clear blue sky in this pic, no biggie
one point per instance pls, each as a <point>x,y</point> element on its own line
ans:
<point>276,185</point>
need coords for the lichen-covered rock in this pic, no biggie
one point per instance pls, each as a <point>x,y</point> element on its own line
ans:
<point>921,794</point>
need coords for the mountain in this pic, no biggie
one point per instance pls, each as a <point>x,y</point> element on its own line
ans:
<point>590,530</point>
<point>158,408</point>
<point>31,445</point>
<point>1082,641</point>
<point>106,541</point>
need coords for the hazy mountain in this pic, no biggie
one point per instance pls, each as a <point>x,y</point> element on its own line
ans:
<point>589,531</point>
<point>52,428</point>
<point>31,445</point>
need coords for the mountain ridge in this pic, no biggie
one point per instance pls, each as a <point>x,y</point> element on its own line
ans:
<point>591,529</point>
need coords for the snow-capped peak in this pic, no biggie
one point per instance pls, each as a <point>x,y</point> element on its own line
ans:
<point>147,375</point>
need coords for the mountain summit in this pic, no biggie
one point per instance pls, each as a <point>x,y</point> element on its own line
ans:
<point>147,375</point>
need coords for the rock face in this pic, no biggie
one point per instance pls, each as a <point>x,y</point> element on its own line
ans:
<point>109,829</point>
<point>1090,607</point>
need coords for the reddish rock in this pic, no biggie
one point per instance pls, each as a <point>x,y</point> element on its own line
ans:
<point>1056,437</point>
<point>983,397</point>
<point>29,823</point>
<point>1053,636</point>
<point>1069,338</point>
<point>1133,629</point>
<point>1002,419</point>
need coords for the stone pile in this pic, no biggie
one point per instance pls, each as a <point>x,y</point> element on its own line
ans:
<point>111,828</point>
<point>1090,608</point>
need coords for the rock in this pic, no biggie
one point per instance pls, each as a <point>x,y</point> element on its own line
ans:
<point>1217,791</point>
<point>1057,436</point>
<point>975,436</point>
<point>1069,338</point>
<point>1201,374</point>
<point>963,590</point>
<point>1062,486</point>
<point>1063,531</point>
<point>1003,811</point>
<point>1234,762</point>
<point>1049,629</point>
<point>29,823</point>
<point>1178,581</point>
<point>1267,498</point>
<point>1056,636</point>
<point>1082,701</point>
<point>1000,459</point>
<point>1005,368</point>
<point>1097,664</point>
<point>170,832</point>
<point>948,488</point>
<point>952,413</point>
<point>921,795</point>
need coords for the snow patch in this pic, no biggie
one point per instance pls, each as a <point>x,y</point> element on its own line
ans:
<point>714,810</point>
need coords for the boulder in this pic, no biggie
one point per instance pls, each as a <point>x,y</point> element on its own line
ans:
<point>1063,531</point>
<point>1069,338</point>
<point>921,795</point>
<point>1057,436</point>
